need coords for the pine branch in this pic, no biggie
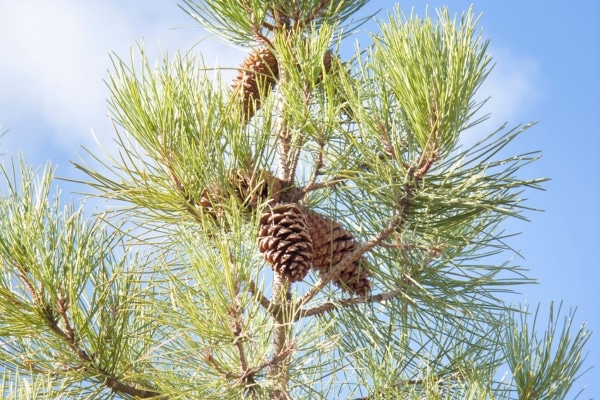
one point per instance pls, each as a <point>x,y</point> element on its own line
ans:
<point>275,359</point>
<point>315,13</point>
<point>208,357</point>
<point>320,185</point>
<point>70,336</point>
<point>313,184</point>
<point>239,335</point>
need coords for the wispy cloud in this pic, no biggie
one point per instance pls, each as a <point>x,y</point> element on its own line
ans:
<point>56,57</point>
<point>512,89</point>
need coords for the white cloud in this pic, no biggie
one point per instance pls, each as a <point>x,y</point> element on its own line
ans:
<point>513,85</point>
<point>56,57</point>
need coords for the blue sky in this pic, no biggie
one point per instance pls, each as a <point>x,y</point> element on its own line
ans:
<point>55,56</point>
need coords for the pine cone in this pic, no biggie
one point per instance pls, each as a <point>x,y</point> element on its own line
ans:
<point>254,186</point>
<point>331,243</point>
<point>285,241</point>
<point>256,76</point>
<point>250,189</point>
<point>211,201</point>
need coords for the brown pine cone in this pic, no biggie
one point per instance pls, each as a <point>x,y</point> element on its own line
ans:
<point>250,188</point>
<point>256,77</point>
<point>331,243</point>
<point>285,242</point>
<point>211,201</point>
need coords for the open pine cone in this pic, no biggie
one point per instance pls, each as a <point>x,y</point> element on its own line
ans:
<point>285,241</point>
<point>331,243</point>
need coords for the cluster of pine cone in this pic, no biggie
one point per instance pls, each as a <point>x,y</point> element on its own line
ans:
<point>293,239</point>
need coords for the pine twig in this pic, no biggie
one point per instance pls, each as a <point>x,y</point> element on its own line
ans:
<point>262,299</point>
<point>277,358</point>
<point>320,185</point>
<point>213,363</point>
<point>318,165</point>
<point>315,13</point>
<point>237,328</point>
<point>344,303</point>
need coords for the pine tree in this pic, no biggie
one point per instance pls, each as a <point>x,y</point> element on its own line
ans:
<point>315,229</point>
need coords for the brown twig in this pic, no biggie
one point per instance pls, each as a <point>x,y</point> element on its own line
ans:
<point>283,137</point>
<point>320,185</point>
<point>433,250</point>
<point>256,25</point>
<point>318,165</point>
<point>237,327</point>
<point>261,37</point>
<point>315,13</point>
<point>213,363</point>
<point>331,306</point>
<point>386,140</point>
<point>63,307</point>
<point>35,296</point>
<point>277,358</point>
<point>280,17</point>
<point>262,299</point>
<point>237,324</point>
